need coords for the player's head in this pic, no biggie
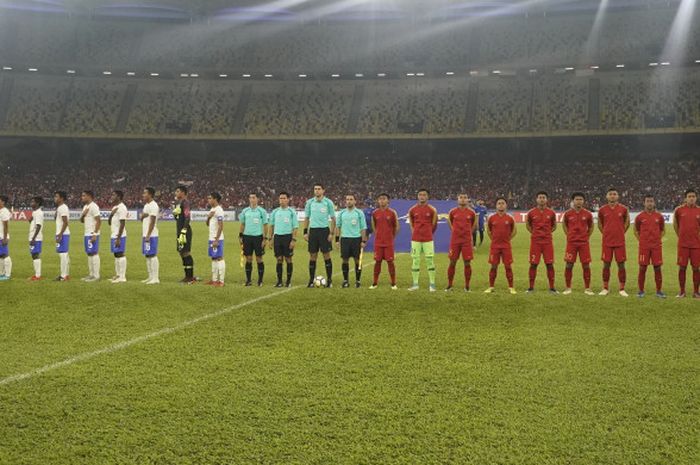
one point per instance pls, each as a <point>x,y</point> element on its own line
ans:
<point>59,197</point>
<point>180,192</point>
<point>423,195</point>
<point>462,200</point>
<point>284,199</point>
<point>213,199</point>
<point>541,198</point>
<point>350,200</point>
<point>383,200</point>
<point>613,195</point>
<point>116,197</point>
<point>36,202</point>
<point>649,202</point>
<point>578,199</point>
<point>319,190</point>
<point>87,197</point>
<point>253,199</point>
<point>501,204</point>
<point>4,200</point>
<point>148,194</point>
<point>691,197</point>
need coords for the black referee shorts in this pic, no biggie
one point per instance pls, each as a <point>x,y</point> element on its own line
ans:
<point>281,245</point>
<point>350,247</point>
<point>253,244</point>
<point>187,246</point>
<point>318,240</point>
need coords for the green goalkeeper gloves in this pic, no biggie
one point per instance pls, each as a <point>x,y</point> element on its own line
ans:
<point>182,238</point>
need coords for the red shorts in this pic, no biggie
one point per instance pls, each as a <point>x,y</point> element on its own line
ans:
<point>545,251</point>
<point>652,257</point>
<point>582,250</point>
<point>618,253</point>
<point>465,249</point>
<point>686,254</point>
<point>498,255</point>
<point>384,253</point>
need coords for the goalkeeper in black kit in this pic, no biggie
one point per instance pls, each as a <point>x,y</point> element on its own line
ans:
<point>181,212</point>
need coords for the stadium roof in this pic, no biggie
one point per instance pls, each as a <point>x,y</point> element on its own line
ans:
<point>305,9</point>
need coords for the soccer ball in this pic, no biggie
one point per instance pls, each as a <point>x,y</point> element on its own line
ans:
<point>320,281</point>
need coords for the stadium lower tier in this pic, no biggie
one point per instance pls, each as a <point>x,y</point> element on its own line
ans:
<point>665,99</point>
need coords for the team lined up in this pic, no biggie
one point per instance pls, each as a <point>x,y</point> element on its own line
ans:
<point>278,231</point>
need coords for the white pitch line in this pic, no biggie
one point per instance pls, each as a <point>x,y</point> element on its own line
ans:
<point>130,342</point>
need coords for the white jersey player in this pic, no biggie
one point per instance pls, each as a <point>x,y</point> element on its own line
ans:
<point>90,217</point>
<point>117,243</point>
<point>36,236</point>
<point>215,221</point>
<point>5,260</point>
<point>62,235</point>
<point>149,219</point>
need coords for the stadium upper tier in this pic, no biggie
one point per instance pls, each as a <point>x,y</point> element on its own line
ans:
<point>661,99</point>
<point>417,45</point>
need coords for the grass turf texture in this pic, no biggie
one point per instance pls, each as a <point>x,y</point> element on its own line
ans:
<point>344,375</point>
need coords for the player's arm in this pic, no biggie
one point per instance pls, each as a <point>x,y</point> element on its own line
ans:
<point>64,226</point>
<point>241,229</point>
<point>295,228</point>
<point>488,229</point>
<point>564,226</point>
<point>363,226</point>
<point>435,218</point>
<point>83,214</point>
<point>397,225</point>
<point>513,229</point>
<point>266,228</point>
<point>554,223</point>
<point>591,228</point>
<point>475,223</point>
<point>410,218</point>
<point>331,223</point>
<point>637,226</point>
<point>307,218</point>
<point>37,229</point>
<point>111,215</point>
<point>374,224</point>
<point>98,224</point>
<point>627,220</point>
<point>600,222</point>
<point>675,221</point>
<point>219,230</point>
<point>449,220</point>
<point>122,226</point>
<point>6,230</point>
<point>662,226</point>
<point>528,223</point>
<point>151,226</point>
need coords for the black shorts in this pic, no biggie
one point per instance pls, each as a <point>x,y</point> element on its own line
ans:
<point>253,244</point>
<point>318,240</point>
<point>281,245</point>
<point>350,247</point>
<point>187,246</point>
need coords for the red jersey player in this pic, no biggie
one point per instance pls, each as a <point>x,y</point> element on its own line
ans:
<point>541,222</point>
<point>501,230</point>
<point>423,220</point>
<point>649,228</point>
<point>385,224</point>
<point>462,221</point>
<point>578,227</point>
<point>613,222</point>
<point>686,223</point>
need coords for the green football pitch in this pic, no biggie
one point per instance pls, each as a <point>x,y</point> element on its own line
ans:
<point>96,373</point>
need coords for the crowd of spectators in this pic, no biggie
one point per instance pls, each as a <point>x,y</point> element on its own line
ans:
<point>629,100</point>
<point>484,176</point>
